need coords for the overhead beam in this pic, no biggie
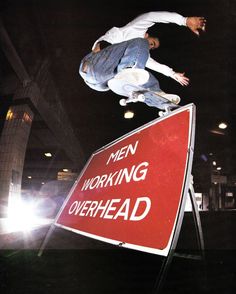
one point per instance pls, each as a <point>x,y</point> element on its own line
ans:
<point>12,56</point>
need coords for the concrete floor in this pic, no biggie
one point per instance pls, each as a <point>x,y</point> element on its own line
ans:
<point>112,271</point>
<point>76,264</point>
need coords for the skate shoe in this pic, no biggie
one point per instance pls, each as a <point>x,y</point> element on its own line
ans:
<point>171,97</point>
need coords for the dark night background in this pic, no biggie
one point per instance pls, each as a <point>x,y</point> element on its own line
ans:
<point>64,31</point>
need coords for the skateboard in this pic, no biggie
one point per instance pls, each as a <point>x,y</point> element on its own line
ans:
<point>136,93</point>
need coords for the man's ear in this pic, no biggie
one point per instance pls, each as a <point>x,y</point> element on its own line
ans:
<point>146,35</point>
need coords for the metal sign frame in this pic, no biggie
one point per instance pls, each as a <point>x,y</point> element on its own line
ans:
<point>200,242</point>
<point>186,184</point>
<point>187,191</point>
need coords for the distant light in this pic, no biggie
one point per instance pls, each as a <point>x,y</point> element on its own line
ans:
<point>214,163</point>
<point>65,170</point>
<point>48,154</point>
<point>128,114</point>
<point>10,114</point>
<point>211,154</point>
<point>218,168</point>
<point>42,183</point>
<point>29,177</point>
<point>21,216</point>
<point>215,183</point>
<point>217,132</point>
<point>223,125</point>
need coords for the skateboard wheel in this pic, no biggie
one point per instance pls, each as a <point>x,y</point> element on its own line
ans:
<point>161,113</point>
<point>123,102</point>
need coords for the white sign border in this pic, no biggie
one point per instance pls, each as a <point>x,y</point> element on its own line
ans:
<point>184,191</point>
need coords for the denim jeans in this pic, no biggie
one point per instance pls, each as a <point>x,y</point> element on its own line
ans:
<point>105,64</point>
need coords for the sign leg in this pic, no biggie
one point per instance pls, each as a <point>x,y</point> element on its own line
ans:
<point>44,244</point>
<point>197,221</point>
<point>167,261</point>
<point>163,273</point>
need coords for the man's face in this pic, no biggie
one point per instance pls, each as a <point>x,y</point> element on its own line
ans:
<point>153,43</point>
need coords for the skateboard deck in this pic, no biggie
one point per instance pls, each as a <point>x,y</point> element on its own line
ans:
<point>136,93</point>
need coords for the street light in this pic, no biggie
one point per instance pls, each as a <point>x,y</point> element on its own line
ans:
<point>222,125</point>
<point>128,114</point>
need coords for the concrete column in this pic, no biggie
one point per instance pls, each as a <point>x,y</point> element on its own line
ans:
<point>13,143</point>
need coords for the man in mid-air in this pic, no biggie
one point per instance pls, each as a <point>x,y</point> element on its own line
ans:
<point>123,51</point>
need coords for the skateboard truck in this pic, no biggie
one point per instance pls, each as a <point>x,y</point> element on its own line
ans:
<point>137,96</point>
<point>134,96</point>
<point>166,111</point>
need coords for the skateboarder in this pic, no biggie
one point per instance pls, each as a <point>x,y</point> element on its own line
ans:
<point>128,47</point>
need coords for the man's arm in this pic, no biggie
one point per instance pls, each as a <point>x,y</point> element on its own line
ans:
<point>159,67</point>
<point>167,71</point>
<point>147,20</point>
<point>181,78</point>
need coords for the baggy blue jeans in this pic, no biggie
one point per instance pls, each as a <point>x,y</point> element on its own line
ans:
<point>105,64</point>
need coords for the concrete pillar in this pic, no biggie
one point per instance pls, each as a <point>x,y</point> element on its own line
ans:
<point>13,143</point>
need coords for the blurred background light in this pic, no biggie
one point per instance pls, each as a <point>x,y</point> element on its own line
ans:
<point>128,114</point>
<point>22,216</point>
<point>222,125</point>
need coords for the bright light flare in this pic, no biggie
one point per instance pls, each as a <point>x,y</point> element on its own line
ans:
<point>22,217</point>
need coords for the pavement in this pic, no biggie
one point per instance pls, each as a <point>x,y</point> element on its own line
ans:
<point>75,264</point>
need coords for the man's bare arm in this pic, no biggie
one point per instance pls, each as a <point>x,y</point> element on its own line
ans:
<point>181,78</point>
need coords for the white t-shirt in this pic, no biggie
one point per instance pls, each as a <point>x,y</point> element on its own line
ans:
<point>137,28</point>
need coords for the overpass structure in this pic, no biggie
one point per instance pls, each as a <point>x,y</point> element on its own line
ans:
<point>33,119</point>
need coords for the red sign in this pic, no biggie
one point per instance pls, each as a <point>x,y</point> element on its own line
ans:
<point>130,191</point>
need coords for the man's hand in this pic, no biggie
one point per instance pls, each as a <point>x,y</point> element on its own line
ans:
<point>180,78</point>
<point>196,23</point>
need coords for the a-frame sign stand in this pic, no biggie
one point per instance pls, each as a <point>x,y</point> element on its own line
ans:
<point>200,242</point>
<point>181,123</point>
<point>167,260</point>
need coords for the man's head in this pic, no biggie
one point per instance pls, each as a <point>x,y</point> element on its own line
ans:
<point>153,41</point>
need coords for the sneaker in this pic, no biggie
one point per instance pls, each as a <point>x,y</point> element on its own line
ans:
<point>171,97</point>
<point>133,76</point>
